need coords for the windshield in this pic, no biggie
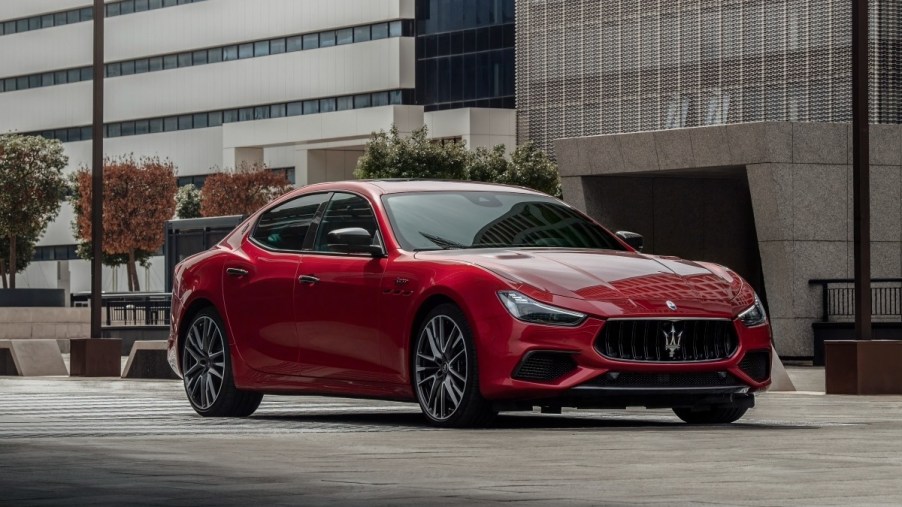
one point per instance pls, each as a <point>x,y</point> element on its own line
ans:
<point>487,219</point>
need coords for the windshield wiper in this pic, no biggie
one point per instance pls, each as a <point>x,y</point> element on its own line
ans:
<point>445,244</point>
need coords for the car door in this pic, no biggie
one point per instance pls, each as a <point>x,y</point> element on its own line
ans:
<point>336,300</point>
<point>259,283</point>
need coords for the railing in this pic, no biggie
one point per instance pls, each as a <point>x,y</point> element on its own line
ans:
<point>130,309</point>
<point>838,298</point>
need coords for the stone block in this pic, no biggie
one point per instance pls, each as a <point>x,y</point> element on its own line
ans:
<point>778,142</point>
<point>886,203</point>
<point>770,187</point>
<point>674,149</point>
<point>886,144</point>
<point>603,155</point>
<point>777,264</point>
<point>886,259</point>
<point>819,204</point>
<point>574,194</point>
<point>759,143</point>
<point>813,260</point>
<point>32,358</point>
<point>15,330</point>
<point>793,337</point>
<point>710,147</point>
<point>639,152</point>
<point>819,143</point>
<point>571,156</point>
<point>147,359</point>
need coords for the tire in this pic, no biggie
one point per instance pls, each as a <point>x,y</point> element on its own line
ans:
<point>444,372</point>
<point>723,414</point>
<point>207,370</point>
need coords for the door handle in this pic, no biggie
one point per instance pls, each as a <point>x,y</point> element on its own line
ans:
<point>308,279</point>
<point>236,272</point>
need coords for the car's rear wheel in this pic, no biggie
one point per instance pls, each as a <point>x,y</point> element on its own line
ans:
<point>445,375</point>
<point>207,371</point>
<point>721,414</point>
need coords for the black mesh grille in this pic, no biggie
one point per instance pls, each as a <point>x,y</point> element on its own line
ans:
<point>756,364</point>
<point>674,380</point>
<point>666,340</point>
<point>544,366</point>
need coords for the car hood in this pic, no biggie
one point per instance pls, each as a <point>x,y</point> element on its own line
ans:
<point>602,275</point>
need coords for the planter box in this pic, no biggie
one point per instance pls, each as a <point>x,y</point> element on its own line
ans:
<point>32,297</point>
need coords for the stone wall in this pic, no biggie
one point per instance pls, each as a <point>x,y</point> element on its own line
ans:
<point>60,324</point>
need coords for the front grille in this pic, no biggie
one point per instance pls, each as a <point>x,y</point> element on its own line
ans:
<point>544,366</point>
<point>756,364</point>
<point>667,340</point>
<point>670,380</point>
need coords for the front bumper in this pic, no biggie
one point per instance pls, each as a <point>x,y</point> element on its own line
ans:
<point>507,342</point>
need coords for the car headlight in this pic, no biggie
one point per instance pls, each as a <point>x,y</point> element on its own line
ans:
<point>754,315</point>
<point>529,310</point>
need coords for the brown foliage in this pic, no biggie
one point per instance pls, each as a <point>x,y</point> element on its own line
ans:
<point>138,198</point>
<point>242,191</point>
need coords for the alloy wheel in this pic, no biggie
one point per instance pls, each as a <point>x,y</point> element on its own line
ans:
<point>204,363</point>
<point>441,367</point>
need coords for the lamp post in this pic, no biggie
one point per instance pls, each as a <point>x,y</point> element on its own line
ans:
<point>97,175</point>
<point>861,181</point>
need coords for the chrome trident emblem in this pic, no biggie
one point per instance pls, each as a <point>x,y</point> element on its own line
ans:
<point>672,339</point>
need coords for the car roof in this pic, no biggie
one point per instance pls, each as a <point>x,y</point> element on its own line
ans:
<point>398,186</point>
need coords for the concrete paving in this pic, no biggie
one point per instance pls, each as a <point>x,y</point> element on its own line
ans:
<point>114,442</point>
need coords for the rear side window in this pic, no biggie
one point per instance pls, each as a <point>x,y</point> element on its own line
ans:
<point>344,211</point>
<point>285,226</point>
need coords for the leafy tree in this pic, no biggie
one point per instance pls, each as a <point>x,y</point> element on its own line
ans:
<point>388,155</point>
<point>187,202</point>
<point>530,167</point>
<point>139,196</point>
<point>242,191</point>
<point>32,187</point>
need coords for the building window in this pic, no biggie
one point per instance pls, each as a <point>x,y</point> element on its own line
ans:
<point>311,41</point>
<point>345,36</point>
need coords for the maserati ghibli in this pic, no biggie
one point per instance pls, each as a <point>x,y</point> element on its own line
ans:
<point>466,298</point>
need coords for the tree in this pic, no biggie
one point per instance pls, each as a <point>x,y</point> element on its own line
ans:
<point>530,167</point>
<point>388,155</point>
<point>31,190</point>
<point>187,202</point>
<point>242,191</point>
<point>139,197</point>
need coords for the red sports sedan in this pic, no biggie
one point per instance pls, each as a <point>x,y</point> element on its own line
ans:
<point>467,298</point>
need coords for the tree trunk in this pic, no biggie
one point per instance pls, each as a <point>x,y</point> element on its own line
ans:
<point>2,273</point>
<point>12,261</point>
<point>132,270</point>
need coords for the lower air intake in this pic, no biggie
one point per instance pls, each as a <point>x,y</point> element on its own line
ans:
<point>544,366</point>
<point>666,380</point>
<point>756,364</point>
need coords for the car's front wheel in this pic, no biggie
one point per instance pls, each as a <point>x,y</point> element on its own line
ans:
<point>445,376</point>
<point>207,370</point>
<point>721,414</point>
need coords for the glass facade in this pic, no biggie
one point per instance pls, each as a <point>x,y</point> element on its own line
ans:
<point>589,67</point>
<point>465,53</point>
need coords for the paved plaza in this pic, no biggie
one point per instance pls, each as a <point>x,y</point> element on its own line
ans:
<point>115,442</point>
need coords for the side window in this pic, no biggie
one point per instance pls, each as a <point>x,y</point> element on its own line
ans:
<point>342,212</point>
<point>284,227</point>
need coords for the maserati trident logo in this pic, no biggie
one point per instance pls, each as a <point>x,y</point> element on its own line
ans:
<point>672,306</point>
<point>672,339</point>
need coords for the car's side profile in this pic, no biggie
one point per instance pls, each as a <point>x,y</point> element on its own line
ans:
<point>467,298</point>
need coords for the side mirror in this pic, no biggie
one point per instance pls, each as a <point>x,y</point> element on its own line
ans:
<point>632,239</point>
<point>353,240</point>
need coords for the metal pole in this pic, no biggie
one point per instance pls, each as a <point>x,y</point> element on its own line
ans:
<point>97,174</point>
<point>861,184</point>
